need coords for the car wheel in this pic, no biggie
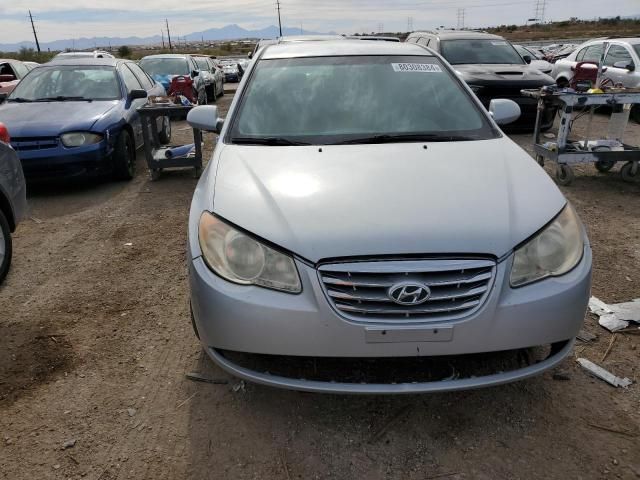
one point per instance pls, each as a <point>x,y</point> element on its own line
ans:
<point>603,166</point>
<point>165,133</point>
<point>5,247</point>
<point>124,157</point>
<point>630,172</point>
<point>635,113</point>
<point>211,94</point>
<point>564,175</point>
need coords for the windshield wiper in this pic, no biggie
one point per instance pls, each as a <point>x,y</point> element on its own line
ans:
<point>271,141</point>
<point>19,100</point>
<point>62,98</point>
<point>399,138</point>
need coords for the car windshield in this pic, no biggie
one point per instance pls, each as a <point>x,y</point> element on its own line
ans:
<point>202,63</point>
<point>356,99</point>
<point>165,66</point>
<point>459,52</point>
<point>68,82</point>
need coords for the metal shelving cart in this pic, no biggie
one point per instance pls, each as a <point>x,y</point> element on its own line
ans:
<point>595,148</point>
<point>155,152</point>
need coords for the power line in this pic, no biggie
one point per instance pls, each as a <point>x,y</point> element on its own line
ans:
<point>279,19</point>
<point>34,31</point>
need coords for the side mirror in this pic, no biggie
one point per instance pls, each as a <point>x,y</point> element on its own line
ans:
<point>195,73</point>
<point>504,111</point>
<point>527,58</point>
<point>250,55</point>
<point>624,65</point>
<point>205,117</point>
<point>137,93</point>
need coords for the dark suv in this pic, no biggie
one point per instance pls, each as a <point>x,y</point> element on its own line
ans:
<point>492,68</point>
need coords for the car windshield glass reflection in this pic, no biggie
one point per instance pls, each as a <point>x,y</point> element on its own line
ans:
<point>165,66</point>
<point>460,52</point>
<point>369,99</point>
<point>60,83</point>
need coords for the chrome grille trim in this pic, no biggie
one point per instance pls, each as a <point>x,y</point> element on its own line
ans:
<point>359,290</point>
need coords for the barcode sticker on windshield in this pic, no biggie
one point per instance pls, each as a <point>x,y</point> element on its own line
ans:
<point>416,67</point>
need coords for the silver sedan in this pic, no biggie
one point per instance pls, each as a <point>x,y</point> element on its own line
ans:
<point>364,226</point>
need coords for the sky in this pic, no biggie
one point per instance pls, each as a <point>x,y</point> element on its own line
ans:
<point>123,18</point>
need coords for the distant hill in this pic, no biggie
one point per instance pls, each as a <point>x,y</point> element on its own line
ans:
<point>229,32</point>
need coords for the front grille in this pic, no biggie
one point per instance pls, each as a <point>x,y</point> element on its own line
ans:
<point>362,290</point>
<point>33,143</point>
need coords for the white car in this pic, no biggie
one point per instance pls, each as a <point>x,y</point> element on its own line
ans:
<point>622,59</point>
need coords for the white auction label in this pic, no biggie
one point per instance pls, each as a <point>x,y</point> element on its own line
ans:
<point>416,67</point>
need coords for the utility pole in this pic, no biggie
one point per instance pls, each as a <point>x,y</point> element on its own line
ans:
<point>541,6</point>
<point>279,18</point>
<point>34,31</point>
<point>461,18</point>
<point>162,33</point>
<point>168,34</point>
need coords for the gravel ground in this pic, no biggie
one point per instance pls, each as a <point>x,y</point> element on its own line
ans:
<point>96,339</point>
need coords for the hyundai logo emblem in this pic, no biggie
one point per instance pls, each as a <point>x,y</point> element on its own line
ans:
<point>409,293</point>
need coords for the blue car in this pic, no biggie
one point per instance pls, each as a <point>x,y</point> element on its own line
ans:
<point>79,117</point>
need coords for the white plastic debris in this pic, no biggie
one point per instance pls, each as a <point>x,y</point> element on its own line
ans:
<point>615,317</point>
<point>603,374</point>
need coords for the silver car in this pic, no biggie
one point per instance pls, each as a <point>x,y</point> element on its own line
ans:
<point>364,226</point>
<point>13,200</point>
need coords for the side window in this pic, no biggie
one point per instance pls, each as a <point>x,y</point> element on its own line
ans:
<point>593,54</point>
<point>7,69</point>
<point>20,69</point>
<point>130,79</point>
<point>142,77</point>
<point>580,55</point>
<point>617,53</point>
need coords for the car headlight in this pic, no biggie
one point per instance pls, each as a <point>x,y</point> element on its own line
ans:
<point>554,251</point>
<point>78,139</point>
<point>241,259</point>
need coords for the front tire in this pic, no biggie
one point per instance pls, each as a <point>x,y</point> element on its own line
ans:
<point>165,134</point>
<point>6,247</point>
<point>124,157</point>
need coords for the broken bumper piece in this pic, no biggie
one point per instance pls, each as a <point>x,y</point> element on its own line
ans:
<point>558,352</point>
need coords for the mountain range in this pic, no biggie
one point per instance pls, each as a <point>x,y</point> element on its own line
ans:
<point>229,32</point>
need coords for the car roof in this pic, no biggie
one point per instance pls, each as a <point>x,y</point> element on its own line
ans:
<point>168,55</point>
<point>309,38</point>
<point>341,48</point>
<point>459,35</point>
<point>84,61</point>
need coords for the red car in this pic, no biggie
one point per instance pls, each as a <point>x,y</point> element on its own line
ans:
<point>11,72</point>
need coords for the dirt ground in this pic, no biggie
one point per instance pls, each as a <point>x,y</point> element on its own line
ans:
<point>95,342</point>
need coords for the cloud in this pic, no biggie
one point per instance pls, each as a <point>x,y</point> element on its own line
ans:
<point>72,19</point>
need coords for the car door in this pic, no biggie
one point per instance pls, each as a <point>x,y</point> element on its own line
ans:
<point>131,116</point>
<point>621,67</point>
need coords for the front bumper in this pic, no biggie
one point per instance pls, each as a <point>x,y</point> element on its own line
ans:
<point>61,162</point>
<point>258,321</point>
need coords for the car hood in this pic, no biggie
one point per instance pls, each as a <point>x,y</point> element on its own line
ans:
<point>521,74</point>
<point>478,197</point>
<point>52,118</point>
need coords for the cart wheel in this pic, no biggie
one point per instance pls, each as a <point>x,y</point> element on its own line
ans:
<point>604,166</point>
<point>155,174</point>
<point>197,171</point>
<point>630,172</point>
<point>540,160</point>
<point>564,175</point>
